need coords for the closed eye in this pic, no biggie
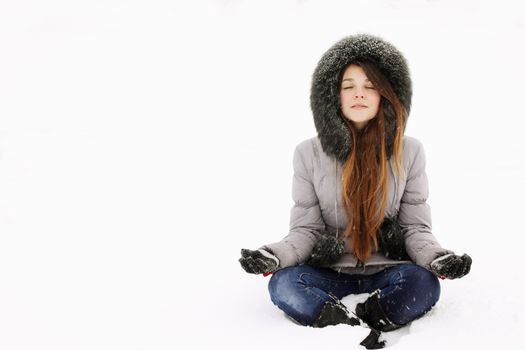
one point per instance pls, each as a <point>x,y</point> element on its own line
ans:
<point>366,87</point>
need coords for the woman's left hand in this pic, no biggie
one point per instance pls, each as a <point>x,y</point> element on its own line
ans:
<point>451,266</point>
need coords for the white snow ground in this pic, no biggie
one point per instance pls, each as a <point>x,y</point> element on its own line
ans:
<point>144,143</point>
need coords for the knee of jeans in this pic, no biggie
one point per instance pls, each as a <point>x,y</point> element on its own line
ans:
<point>426,281</point>
<point>434,288</point>
<point>280,283</point>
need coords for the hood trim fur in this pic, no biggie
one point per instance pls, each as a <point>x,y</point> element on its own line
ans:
<point>335,137</point>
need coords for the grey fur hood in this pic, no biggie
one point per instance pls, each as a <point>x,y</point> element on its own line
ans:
<point>333,133</point>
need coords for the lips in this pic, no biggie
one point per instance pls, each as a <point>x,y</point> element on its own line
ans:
<point>359,106</point>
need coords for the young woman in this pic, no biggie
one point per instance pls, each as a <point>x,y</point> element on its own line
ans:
<point>360,222</point>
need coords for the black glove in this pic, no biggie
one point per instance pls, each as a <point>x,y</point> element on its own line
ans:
<point>451,265</point>
<point>327,251</point>
<point>255,261</point>
<point>391,240</point>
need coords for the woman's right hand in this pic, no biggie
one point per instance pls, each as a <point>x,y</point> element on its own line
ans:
<point>327,251</point>
<point>258,261</point>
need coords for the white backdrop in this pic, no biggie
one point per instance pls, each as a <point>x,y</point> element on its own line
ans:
<point>144,143</point>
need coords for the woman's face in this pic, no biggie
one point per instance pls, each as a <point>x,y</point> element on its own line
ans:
<point>357,90</point>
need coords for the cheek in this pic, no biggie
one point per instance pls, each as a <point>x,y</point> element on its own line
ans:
<point>344,98</point>
<point>377,100</point>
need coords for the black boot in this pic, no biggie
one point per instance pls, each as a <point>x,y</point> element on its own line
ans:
<point>335,313</point>
<point>372,314</point>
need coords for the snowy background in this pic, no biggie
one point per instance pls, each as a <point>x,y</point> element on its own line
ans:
<point>144,143</point>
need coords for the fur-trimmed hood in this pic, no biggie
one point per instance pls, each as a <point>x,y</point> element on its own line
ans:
<point>335,137</point>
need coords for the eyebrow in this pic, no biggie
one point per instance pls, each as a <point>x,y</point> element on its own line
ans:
<point>349,79</point>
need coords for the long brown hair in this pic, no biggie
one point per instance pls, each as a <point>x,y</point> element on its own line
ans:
<point>364,178</point>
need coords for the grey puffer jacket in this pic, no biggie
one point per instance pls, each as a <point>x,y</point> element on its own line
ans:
<point>318,208</point>
<point>318,164</point>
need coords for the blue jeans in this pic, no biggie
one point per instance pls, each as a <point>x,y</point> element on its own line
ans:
<point>406,291</point>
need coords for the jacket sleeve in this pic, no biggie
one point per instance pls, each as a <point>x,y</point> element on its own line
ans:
<point>415,215</point>
<point>306,221</point>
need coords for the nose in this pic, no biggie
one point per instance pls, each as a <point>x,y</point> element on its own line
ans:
<point>359,93</point>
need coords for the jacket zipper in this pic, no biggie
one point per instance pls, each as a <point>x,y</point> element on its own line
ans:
<point>394,200</point>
